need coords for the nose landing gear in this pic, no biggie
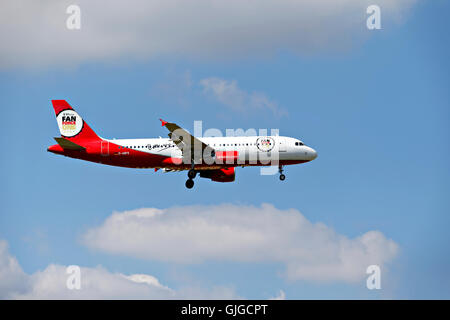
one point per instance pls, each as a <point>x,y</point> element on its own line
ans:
<point>282,176</point>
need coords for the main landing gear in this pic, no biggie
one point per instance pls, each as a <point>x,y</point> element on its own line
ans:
<point>191,175</point>
<point>282,176</point>
<point>189,183</point>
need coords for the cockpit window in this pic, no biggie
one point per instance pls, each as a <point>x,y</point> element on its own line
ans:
<point>299,143</point>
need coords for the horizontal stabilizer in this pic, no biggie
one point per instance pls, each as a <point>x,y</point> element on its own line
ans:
<point>68,145</point>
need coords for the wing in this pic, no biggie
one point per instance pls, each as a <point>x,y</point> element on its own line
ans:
<point>193,149</point>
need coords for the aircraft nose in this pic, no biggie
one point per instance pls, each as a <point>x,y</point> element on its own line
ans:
<point>312,153</point>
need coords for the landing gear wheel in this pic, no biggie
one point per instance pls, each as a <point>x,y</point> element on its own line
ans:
<point>189,183</point>
<point>280,170</point>
<point>192,174</point>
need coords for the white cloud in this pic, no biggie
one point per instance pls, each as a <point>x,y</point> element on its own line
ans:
<point>12,277</point>
<point>193,234</point>
<point>281,296</point>
<point>96,283</point>
<point>34,33</point>
<point>230,95</point>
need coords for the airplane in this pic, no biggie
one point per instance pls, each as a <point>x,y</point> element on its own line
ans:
<point>214,158</point>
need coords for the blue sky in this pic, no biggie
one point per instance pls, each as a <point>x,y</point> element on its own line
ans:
<point>376,111</point>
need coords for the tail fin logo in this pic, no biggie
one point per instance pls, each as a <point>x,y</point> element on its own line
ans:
<point>70,123</point>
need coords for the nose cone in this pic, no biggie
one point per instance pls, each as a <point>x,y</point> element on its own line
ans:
<point>311,153</point>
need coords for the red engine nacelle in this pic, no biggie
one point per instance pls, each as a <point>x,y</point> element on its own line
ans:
<point>220,175</point>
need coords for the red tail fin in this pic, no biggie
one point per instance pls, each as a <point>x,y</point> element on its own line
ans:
<point>71,125</point>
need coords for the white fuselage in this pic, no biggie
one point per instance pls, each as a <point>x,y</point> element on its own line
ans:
<point>248,147</point>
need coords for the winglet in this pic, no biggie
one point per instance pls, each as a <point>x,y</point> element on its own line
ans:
<point>163,123</point>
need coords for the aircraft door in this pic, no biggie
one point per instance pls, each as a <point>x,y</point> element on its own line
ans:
<point>281,144</point>
<point>104,149</point>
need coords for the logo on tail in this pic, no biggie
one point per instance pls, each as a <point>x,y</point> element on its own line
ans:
<point>70,123</point>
